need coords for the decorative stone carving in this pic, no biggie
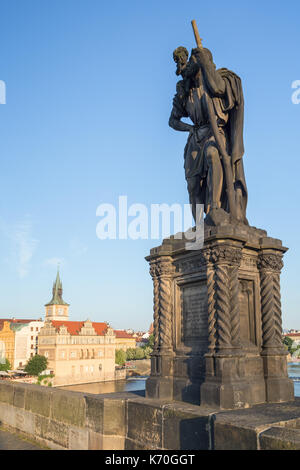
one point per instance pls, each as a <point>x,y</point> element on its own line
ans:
<point>211,307</point>
<point>270,261</point>
<point>191,265</point>
<point>226,254</point>
<point>270,265</point>
<point>161,270</point>
<point>236,358</point>
<point>234,305</point>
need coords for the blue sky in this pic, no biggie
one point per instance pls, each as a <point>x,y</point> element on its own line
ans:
<point>89,92</point>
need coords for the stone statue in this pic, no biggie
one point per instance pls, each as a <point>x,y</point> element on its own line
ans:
<point>217,307</point>
<point>213,100</point>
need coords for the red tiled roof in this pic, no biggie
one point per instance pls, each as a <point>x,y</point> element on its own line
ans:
<point>100,328</point>
<point>74,327</point>
<point>292,334</point>
<point>123,334</point>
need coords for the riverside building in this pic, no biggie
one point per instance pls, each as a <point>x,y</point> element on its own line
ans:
<point>77,351</point>
<point>19,340</point>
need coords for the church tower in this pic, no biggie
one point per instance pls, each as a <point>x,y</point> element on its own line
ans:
<point>57,309</point>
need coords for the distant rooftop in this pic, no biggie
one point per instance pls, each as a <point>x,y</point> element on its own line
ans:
<point>19,320</point>
<point>74,327</point>
<point>123,334</point>
<point>16,321</point>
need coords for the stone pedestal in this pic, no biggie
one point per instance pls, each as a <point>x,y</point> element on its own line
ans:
<point>217,320</point>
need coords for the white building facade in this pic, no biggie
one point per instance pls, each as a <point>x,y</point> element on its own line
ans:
<point>26,341</point>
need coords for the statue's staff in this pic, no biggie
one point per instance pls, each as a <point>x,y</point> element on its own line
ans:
<point>197,35</point>
<point>225,157</point>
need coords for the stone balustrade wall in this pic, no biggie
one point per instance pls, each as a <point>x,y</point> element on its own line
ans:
<point>63,419</point>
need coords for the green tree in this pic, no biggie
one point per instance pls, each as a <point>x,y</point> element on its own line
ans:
<point>5,365</point>
<point>36,365</point>
<point>289,344</point>
<point>120,357</point>
<point>151,341</point>
<point>147,352</point>
<point>139,353</point>
<point>130,354</point>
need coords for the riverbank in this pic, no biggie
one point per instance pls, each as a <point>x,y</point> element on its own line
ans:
<point>138,368</point>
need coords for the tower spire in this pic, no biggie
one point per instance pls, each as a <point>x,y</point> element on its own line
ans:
<point>57,308</point>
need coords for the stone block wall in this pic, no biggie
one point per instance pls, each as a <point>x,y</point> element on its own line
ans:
<point>62,419</point>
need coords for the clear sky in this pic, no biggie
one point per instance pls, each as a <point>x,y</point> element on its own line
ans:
<point>89,92</point>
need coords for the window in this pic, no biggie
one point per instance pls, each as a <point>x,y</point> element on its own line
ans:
<point>31,337</point>
<point>100,367</point>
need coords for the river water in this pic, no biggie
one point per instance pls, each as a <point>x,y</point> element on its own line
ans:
<point>129,385</point>
<point>294,373</point>
<point>138,384</point>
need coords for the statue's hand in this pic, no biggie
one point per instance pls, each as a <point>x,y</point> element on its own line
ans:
<point>201,55</point>
<point>196,50</point>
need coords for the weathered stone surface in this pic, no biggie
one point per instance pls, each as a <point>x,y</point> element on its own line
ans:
<point>6,394</point>
<point>94,412</point>
<point>19,396</point>
<point>223,188</point>
<point>95,440</point>
<point>78,438</point>
<point>227,436</point>
<point>113,443</point>
<point>239,429</point>
<point>37,400</point>
<point>51,430</point>
<point>280,438</point>
<point>217,320</point>
<point>7,414</point>
<point>24,421</point>
<point>68,407</point>
<point>194,311</point>
<point>139,423</point>
<point>114,423</point>
<point>145,423</point>
<point>185,428</point>
<point>133,445</point>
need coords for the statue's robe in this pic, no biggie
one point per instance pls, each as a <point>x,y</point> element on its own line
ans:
<point>219,119</point>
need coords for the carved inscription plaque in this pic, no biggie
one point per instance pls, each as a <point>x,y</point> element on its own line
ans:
<point>247,311</point>
<point>194,311</point>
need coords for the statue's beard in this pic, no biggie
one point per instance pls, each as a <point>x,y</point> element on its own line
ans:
<point>180,68</point>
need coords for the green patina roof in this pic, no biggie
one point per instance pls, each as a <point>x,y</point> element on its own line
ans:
<point>57,293</point>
